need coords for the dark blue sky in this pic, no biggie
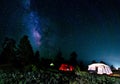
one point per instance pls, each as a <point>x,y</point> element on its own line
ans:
<point>89,27</point>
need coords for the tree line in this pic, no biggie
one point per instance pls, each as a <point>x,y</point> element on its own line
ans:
<point>22,54</point>
<point>13,53</point>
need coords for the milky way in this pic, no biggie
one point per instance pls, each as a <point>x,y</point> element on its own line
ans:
<point>32,23</point>
<point>89,27</point>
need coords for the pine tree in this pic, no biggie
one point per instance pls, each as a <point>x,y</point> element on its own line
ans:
<point>73,58</point>
<point>59,59</point>
<point>36,58</point>
<point>25,50</point>
<point>9,50</point>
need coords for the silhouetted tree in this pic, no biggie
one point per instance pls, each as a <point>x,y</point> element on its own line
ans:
<point>93,61</point>
<point>82,66</point>
<point>59,59</point>
<point>45,62</point>
<point>112,67</point>
<point>36,57</point>
<point>9,50</point>
<point>102,62</point>
<point>25,51</point>
<point>73,58</point>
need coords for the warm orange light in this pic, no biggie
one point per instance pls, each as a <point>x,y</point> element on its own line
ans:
<point>66,67</point>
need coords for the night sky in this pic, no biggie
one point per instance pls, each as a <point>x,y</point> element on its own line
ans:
<point>89,27</point>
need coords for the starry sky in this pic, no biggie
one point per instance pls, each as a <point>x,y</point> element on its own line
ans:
<point>89,27</point>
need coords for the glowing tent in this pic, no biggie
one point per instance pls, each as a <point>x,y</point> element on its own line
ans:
<point>99,68</point>
<point>66,67</point>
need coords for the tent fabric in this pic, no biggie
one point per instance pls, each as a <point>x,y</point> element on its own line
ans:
<point>66,67</point>
<point>100,68</point>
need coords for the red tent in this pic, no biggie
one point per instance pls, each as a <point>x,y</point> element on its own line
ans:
<point>66,67</point>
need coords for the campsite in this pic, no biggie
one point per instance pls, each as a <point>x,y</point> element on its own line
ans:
<point>22,65</point>
<point>31,74</point>
<point>100,68</point>
<point>59,41</point>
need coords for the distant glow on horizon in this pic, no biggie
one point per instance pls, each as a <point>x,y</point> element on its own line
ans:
<point>113,60</point>
<point>116,65</point>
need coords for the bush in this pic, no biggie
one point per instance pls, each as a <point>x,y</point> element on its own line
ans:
<point>31,68</point>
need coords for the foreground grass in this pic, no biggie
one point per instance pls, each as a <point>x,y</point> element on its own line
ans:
<point>52,76</point>
<point>98,79</point>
